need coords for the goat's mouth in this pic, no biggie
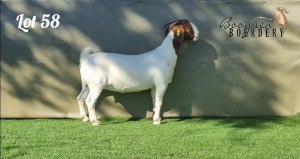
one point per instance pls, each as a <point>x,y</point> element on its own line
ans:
<point>196,37</point>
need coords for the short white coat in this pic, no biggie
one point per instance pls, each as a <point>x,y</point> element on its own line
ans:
<point>127,73</point>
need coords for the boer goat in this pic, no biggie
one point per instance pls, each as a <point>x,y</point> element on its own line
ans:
<point>132,73</point>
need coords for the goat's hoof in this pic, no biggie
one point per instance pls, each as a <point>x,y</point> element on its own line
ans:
<point>85,119</point>
<point>95,122</point>
<point>157,121</point>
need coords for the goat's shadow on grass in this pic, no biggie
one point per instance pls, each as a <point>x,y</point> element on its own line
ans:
<point>113,121</point>
<point>242,122</point>
<point>258,122</point>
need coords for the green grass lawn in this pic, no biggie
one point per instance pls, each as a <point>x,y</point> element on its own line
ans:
<point>259,138</point>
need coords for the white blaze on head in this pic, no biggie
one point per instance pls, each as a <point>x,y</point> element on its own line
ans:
<point>196,32</point>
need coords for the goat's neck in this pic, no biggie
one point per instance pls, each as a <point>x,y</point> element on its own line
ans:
<point>167,48</point>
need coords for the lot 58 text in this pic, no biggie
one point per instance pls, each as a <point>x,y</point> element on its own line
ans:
<point>25,24</point>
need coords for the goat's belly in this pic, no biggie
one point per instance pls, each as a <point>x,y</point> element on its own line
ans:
<point>131,86</point>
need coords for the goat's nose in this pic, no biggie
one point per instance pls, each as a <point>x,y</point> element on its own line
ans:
<point>195,38</point>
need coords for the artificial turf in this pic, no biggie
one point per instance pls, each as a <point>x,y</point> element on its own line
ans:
<point>119,137</point>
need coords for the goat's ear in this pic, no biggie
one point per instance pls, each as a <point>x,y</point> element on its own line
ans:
<point>178,33</point>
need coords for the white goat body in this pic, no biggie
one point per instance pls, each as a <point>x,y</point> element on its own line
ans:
<point>127,73</point>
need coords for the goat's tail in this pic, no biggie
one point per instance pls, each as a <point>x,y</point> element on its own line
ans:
<point>87,51</point>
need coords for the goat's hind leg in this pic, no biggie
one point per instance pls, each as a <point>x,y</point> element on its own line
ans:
<point>95,91</point>
<point>153,91</point>
<point>81,99</point>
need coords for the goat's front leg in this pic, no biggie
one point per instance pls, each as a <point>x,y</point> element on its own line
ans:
<point>159,93</point>
<point>81,98</point>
